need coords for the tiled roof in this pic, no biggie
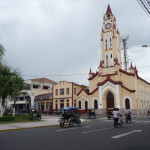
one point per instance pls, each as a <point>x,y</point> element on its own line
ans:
<point>43,96</point>
<point>44,80</point>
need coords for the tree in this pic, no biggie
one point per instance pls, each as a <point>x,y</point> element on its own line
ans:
<point>2,52</point>
<point>17,86</point>
<point>10,83</point>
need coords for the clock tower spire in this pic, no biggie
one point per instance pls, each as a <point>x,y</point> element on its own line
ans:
<point>110,40</point>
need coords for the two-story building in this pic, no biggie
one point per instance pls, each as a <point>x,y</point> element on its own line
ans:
<point>65,94</point>
<point>28,97</point>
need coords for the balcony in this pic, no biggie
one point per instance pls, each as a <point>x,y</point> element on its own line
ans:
<point>18,102</point>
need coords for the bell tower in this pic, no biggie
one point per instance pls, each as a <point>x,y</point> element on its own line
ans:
<point>110,41</point>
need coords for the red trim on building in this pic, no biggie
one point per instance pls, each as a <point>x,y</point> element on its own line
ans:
<point>125,72</point>
<point>132,91</point>
<point>110,80</point>
<point>93,91</point>
<point>143,80</point>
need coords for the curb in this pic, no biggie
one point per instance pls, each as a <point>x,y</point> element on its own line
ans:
<point>28,128</point>
<point>33,127</point>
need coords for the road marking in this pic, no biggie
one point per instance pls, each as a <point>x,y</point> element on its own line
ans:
<point>121,135</point>
<point>66,129</point>
<point>96,130</point>
<point>72,128</point>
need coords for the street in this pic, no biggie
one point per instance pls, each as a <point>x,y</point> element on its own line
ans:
<point>92,135</point>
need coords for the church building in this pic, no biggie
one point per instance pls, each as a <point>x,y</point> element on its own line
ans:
<point>111,86</point>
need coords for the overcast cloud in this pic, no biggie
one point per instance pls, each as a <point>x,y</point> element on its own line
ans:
<point>62,37</point>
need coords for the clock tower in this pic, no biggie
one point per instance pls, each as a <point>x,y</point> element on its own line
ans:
<point>110,41</point>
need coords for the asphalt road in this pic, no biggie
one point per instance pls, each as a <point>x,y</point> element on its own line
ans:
<point>96,134</point>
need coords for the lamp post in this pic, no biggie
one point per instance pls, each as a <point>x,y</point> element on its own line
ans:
<point>41,104</point>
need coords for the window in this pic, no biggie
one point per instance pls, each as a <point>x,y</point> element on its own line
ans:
<point>28,86</point>
<point>107,61</point>
<point>110,40</point>
<point>106,44</point>
<point>62,91</point>
<point>95,104</point>
<point>75,92</point>
<point>127,103</point>
<point>74,102</point>
<point>35,86</point>
<point>67,91</point>
<point>21,98</point>
<point>56,92</point>
<point>111,59</point>
<point>45,87</point>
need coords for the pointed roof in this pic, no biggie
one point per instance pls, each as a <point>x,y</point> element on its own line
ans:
<point>109,10</point>
<point>90,72</point>
<point>101,64</point>
<point>118,31</point>
<point>131,66</point>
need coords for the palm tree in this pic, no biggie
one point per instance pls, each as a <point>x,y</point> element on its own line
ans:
<point>10,83</point>
<point>17,86</point>
<point>2,52</point>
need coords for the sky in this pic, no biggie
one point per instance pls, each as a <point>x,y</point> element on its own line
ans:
<point>60,39</point>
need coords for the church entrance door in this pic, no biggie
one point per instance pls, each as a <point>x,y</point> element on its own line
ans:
<point>110,100</point>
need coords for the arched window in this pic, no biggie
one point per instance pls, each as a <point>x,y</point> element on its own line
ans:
<point>110,41</point>
<point>80,104</point>
<point>86,105</point>
<point>127,103</point>
<point>111,59</point>
<point>95,104</point>
<point>107,61</point>
<point>106,44</point>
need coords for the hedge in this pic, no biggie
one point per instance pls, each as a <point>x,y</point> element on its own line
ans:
<point>7,118</point>
<point>18,118</point>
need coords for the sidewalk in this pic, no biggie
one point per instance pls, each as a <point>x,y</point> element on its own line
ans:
<point>46,121</point>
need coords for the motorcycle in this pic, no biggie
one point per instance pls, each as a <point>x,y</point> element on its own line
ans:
<point>128,118</point>
<point>118,122</point>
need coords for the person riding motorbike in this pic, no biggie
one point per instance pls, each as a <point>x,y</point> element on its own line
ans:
<point>128,115</point>
<point>117,117</point>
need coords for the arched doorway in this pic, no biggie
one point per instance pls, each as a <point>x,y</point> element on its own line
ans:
<point>127,103</point>
<point>95,104</point>
<point>110,100</point>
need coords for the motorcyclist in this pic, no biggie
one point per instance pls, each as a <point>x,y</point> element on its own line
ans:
<point>128,115</point>
<point>117,115</point>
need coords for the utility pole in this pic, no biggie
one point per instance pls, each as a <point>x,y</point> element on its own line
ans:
<point>124,41</point>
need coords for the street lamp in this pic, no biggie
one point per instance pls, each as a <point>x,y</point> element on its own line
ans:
<point>41,104</point>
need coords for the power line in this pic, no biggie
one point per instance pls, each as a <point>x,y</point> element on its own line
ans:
<point>145,6</point>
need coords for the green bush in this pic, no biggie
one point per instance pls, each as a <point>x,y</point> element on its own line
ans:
<point>18,117</point>
<point>7,118</point>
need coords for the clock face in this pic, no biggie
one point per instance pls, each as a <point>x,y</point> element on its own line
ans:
<point>108,26</point>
